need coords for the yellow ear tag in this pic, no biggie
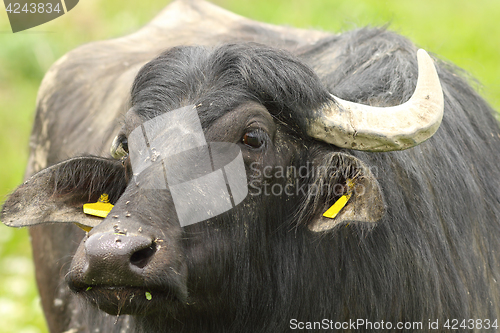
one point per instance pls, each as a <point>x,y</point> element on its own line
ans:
<point>100,208</point>
<point>341,202</point>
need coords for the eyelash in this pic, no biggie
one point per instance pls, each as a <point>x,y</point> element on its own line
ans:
<point>254,139</point>
<point>119,148</point>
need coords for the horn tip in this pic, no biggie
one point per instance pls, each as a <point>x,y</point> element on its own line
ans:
<point>424,59</point>
<point>422,53</point>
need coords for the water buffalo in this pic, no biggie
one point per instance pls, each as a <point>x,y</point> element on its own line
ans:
<point>405,152</point>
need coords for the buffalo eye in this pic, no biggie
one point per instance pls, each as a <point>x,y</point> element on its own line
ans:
<point>254,139</point>
<point>119,147</point>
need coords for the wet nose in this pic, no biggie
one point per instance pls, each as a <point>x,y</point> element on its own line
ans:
<point>117,259</point>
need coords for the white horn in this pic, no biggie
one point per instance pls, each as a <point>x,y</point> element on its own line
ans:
<point>362,127</point>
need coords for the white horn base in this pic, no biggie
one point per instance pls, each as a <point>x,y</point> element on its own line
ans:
<point>379,129</point>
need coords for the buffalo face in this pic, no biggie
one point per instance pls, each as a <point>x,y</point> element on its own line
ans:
<point>141,259</point>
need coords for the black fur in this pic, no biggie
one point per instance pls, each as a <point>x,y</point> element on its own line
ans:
<point>434,254</point>
<point>220,79</point>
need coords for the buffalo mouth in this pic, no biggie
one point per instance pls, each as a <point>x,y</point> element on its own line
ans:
<point>128,300</point>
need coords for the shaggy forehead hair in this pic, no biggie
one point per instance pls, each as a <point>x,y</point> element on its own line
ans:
<point>224,77</point>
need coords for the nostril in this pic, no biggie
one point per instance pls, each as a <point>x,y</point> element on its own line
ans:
<point>142,257</point>
<point>117,254</point>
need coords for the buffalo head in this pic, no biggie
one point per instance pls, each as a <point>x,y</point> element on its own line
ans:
<point>229,154</point>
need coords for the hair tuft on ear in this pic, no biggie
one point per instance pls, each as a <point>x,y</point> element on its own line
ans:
<point>58,193</point>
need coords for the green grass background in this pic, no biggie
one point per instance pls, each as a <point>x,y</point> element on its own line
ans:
<point>462,31</point>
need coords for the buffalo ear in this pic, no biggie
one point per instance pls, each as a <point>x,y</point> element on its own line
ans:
<point>366,202</point>
<point>57,193</point>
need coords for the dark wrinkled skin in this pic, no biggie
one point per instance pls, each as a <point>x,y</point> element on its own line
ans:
<point>431,256</point>
<point>63,96</point>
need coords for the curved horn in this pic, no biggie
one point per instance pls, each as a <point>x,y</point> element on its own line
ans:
<point>362,127</point>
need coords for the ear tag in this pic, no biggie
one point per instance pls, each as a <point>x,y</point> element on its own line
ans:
<point>341,202</point>
<point>100,208</point>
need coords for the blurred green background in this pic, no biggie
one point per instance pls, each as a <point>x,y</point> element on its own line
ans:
<point>462,31</point>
